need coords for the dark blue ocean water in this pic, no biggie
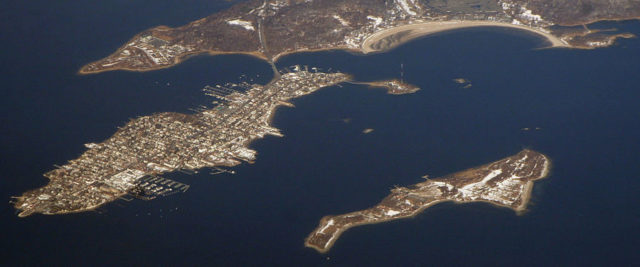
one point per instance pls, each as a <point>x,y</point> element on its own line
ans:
<point>585,102</point>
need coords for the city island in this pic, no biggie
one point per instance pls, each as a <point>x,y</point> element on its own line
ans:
<point>130,161</point>
<point>507,182</point>
<point>270,29</point>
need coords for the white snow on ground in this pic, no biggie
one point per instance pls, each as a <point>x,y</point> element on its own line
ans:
<point>472,190</point>
<point>522,14</point>
<point>491,175</point>
<point>355,39</point>
<point>247,25</point>
<point>601,43</point>
<point>449,186</point>
<point>509,184</point>
<point>376,20</point>
<point>406,8</point>
<point>505,192</point>
<point>341,20</point>
<point>521,163</point>
<point>110,64</point>
<point>330,223</point>
<point>526,14</point>
<point>391,212</point>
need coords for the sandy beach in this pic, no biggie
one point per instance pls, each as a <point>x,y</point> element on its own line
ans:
<point>422,29</point>
<point>377,42</point>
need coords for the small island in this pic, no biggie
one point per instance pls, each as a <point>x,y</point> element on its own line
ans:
<point>464,82</point>
<point>394,87</point>
<point>507,182</point>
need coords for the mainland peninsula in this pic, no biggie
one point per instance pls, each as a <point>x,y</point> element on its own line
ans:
<point>270,29</point>
<point>507,182</point>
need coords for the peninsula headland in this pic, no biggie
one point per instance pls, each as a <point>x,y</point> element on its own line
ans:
<point>270,29</point>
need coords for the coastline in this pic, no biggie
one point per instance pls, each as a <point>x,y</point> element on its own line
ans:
<point>272,112</point>
<point>27,209</point>
<point>338,48</point>
<point>91,208</point>
<point>177,61</point>
<point>526,196</point>
<point>392,86</point>
<point>416,30</point>
<point>338,233</point>
<point>427,28</point>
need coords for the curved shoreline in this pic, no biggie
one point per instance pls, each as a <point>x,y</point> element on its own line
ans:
<point>416,30</point>
<point>427,28</point>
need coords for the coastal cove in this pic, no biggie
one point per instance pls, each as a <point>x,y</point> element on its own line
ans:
<point>417,30</point>
<point>256,28</point>
<point>583,102</point>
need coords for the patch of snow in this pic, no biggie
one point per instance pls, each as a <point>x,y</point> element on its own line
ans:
<point>109,64</point>
<point>597,44</point>
<point>391,212</point>
<point>491,175</point>
<point>449,187</point>
<point>329,223</point>
<point>355,39</point>
<point>247,25</point>
<point>341,20</point>
<point>528,15</point>
<point>376,20</point>
<point>405,7</point>
<point>91,145</point>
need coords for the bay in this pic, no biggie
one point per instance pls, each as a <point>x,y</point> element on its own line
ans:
<point>583,101</point>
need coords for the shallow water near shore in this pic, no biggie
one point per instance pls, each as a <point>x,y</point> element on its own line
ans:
<point>584,102</point>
